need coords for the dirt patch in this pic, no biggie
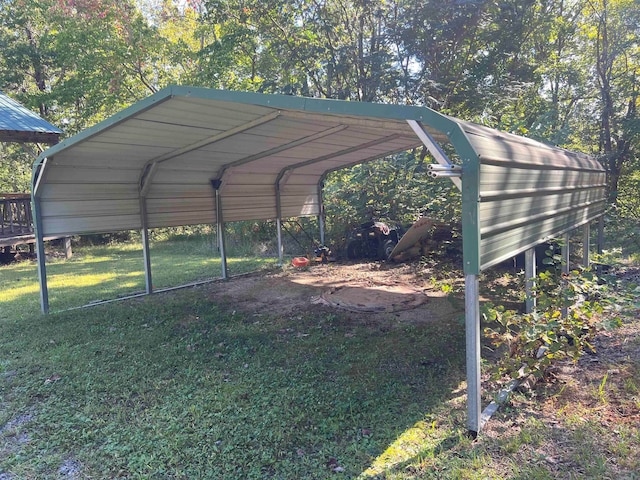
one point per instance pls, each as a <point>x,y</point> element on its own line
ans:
<point>375,289</point>
<point>374,298</point>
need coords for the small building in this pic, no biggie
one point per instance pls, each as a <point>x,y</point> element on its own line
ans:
<point>18,124</point>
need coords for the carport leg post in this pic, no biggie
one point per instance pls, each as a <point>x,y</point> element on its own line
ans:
<point>472,330</point>
<point>586,233</point>
<point>148,285</point>
<point>565,265</point>
<point>321,225</point>
<point>146,256</point>
<point>216,183</point>
<point>600,234</point>
<point>279,223</point>
<point>321,211</point>
<point>280,247</point>
<point>42,268</point>
<point>530,282</point>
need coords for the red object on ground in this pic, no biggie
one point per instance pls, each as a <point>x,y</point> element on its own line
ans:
<point>300,262</point>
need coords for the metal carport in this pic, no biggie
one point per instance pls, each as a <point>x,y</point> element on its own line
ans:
<point>193,156</point>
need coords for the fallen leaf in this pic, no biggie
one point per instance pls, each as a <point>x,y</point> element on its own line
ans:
<point>53,378</point>
<point>332,463</point>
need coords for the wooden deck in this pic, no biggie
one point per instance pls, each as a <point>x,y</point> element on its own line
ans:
<point>16,222</point>
<point>16,226</point>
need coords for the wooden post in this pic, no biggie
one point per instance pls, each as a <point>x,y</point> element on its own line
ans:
<point>68,252</point>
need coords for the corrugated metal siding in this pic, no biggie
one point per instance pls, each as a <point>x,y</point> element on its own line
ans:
<point>531,192</point>
<point>75,224</point>
<point>299,147</point>
<point>256,143</point>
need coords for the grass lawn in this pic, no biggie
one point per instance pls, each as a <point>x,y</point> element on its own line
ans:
<point>182,386</point>
<point>107,272</point>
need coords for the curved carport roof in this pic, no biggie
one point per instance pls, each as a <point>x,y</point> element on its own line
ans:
<point>191,155</point>
<point>168,147</point>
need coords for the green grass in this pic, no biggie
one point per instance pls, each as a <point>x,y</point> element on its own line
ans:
<point>106,272</point>
<point>176,386</point>
<point>180,386</point>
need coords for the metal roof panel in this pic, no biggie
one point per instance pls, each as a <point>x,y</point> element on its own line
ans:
<point>19,124</point>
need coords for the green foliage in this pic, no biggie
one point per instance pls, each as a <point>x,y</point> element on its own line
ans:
<point>558,71</point>
<point>15,169</point>
<point>570,310</point>
<point>623,229</point>
<point>628,199</point>
<point>395,190</point>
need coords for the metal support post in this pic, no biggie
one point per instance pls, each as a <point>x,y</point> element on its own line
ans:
<point>586,233</point>
<point>472,329</point>
<point>280,246</point>
<point>321,224</point>
<point>530,279</point>
<point>565,265</point>
<point>565,253</point>
<point>321,211</point>
<point>600,234</point>
<point>216,183</point>
<point>146,255</point>
<point>42,268</point>
<point>279,221</point>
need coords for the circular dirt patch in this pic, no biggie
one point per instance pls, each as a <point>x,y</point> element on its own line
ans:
<point>374,298</point>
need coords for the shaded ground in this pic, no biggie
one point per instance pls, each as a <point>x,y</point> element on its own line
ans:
<point>393,291</point>
<point>583,419</point>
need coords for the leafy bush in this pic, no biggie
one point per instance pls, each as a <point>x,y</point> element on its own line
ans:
<point>570,309</point>
<point>395,189</point>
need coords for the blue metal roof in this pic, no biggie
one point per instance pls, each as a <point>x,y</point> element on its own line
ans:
<point>19,124</point>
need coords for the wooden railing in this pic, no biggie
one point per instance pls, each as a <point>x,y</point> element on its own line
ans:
<point>15,214</point>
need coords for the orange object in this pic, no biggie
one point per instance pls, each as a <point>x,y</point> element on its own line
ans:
<point>300,261</point>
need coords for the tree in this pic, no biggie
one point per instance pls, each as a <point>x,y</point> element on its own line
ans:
<point>75,62</point>
<point>612,36</point>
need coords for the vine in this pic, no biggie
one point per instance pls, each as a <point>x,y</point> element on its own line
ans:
<point>571,309</point>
